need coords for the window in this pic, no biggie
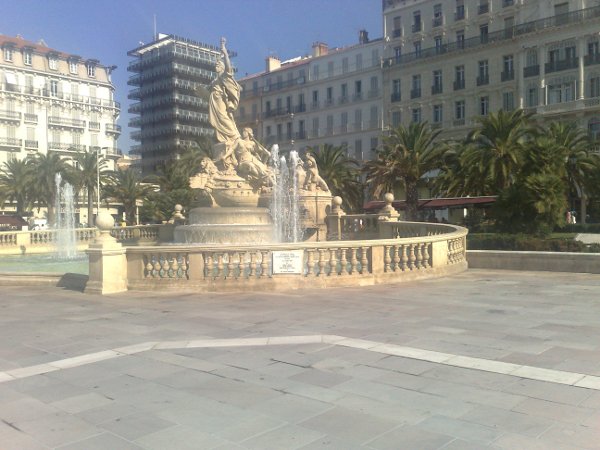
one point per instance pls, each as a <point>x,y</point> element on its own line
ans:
<point>484,105</point>
<point>359,61</point>
<point>73,67</point>
<point>417,45</point>
<point>374,119</point>
<point>53,64</point>
<point>279,132</point>
<point>375,57</point>
<point>358,119</point>
<point>397,53</point>
<point>561,92</point>
<point>344,96</point>
<point>397,27</point>
<point>288,127</point>
<point>315,72</point>
<point>91,70</point>
<point>396,86</point>
<point>437,81</point>
<point>358,149</point>
<point>396,119</point>
<point>460,39</point>
<point>593,48</point>
<point>374,144</point>
<point>508,101</point>
<point>483,33</point>
<point>329,95</point>
<point>416,86</point>
<point>344,121</point>
<point>344,65</point>
<point>459,77</point>
<point>438,18</point>
<point>437,114</point>
<point>416,115</point>
<point>532,96</point>
<point>416,22</point>
<point>570,53</point>
<point>508,72</point>
<point>357,89</point>
<point>374,86</point>
<point>315,126</point>
<point>482,72</point>
<point>329,129</point>
<point>459,110</point>
<point>594,86</point>
<point>27,56</point>
<point>594,128</point>
<point>532,57</point>
<point>460,10</point>
<point>330,69</point>
<point>438,44</point>
<point>54,88</point>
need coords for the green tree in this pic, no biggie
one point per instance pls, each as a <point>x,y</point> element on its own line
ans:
<point>405,156</point>
<point>16,183</point>
<point>341,173</point>
<point>85,177</point>
<point>46,167</point>
<point>126,187</point>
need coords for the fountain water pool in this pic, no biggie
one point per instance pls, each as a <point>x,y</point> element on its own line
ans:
<point>66,241</point>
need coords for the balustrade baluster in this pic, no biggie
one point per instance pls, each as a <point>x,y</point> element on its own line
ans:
<point>208,266</point>
<point>396,258</point>
<point>333,261</point>
<point>322,262</point>
<point>411,257</point>
<point>344,262</point>
<point>264,263</point>
<point>230,265</point>
<point>184,265</point>
<point>404,258</point>
<point>426,263</point>
<point>419,256</point>
<point>386,259</point>
<point>252,265</point>
<point>220,266</point>
<point>364,262</point>
<point>353,260</point>
<point>174,266</point>
<point>310,263</point>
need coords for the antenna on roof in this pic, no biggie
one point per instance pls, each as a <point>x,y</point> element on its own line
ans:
<point>155,36</point>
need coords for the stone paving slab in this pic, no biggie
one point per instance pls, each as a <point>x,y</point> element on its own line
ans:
<point>486,359</point>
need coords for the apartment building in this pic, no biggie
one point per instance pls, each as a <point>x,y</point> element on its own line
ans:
<point>52,101</point>
<point>332,96</point>
<point>448,62</point>
<point>172,77</point>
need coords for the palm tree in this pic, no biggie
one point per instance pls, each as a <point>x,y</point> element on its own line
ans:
<point>85,176</point>
<point>126,187</point>
<point>340,172</point>
<point>574,143</point>
<point>495,148</point>
<point>45,167</point>
<point>16,182</point>
<point>406,155</point>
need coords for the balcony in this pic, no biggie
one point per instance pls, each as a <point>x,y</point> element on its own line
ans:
<point>31,144</point>
<point>564,64</point>
<point>458,122</point>
<point>437,21</point>
<point>484,8</point>
<point>507,3</point>
<point>507,75</point>
<point>343,100</point>
<point>357,97</point>
<point>12,116</point>
<point>113,128</point>
<point>397,32</point>
<point>436,89</point>
<point>417,27</point>
<point>459,14</point>
<point>396,97</point>
<point>65,122</point>
<point>373,93</point>
<point>459,84</point>
<point>483,80</point>
<point>415,93</point>
<point>59,146</point>
<point>591,60</point>
<point>531,71</point>
<point>32,118</point>
<point>7,142</point>
<point>314,105</point>
<point>94,126</point>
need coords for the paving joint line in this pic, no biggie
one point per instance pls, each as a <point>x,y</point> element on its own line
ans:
<point>449,359</point>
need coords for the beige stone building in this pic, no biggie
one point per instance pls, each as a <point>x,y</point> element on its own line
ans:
<point>52,101</point>
<point>450,61</point>
<point>332,96</point>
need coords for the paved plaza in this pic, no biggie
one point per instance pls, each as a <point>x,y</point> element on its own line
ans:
<point>485,359</point>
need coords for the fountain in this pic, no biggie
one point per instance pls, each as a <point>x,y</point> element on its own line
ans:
<point>66,240</point>
<point>253,196</point>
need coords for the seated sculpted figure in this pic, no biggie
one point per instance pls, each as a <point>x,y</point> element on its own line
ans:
<point>313,179</point>
<point>247,154</point>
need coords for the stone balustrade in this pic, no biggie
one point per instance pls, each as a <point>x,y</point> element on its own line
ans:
<point>440,250</point>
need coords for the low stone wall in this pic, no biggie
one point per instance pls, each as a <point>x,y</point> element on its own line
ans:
<point>542,261</point>
<point>440,251</point>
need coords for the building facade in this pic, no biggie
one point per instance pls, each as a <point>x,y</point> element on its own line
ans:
<point>172,77</point>
<point>333,96</point>
<point>51,101</point>
<point>449,62</point>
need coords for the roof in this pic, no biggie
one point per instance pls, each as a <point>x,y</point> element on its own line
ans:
<point>38,47</point>
<point>16,221</point>
<point>435,203</point>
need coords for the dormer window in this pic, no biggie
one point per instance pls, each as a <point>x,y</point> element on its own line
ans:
<point>27,57</point>
<point>8,54</point>
<point>73,66</point>
<point>91,70</point>
<point>53,62</point>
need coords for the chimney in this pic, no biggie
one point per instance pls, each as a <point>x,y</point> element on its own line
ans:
<point>363,37</point>
<point>273,63</point>
<point>319,49</point>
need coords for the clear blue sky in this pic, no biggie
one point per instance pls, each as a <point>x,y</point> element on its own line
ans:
<point>107,29</point>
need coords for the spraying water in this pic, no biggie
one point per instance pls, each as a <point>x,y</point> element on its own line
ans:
<point>66,241</point>
<point>285,198</point>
